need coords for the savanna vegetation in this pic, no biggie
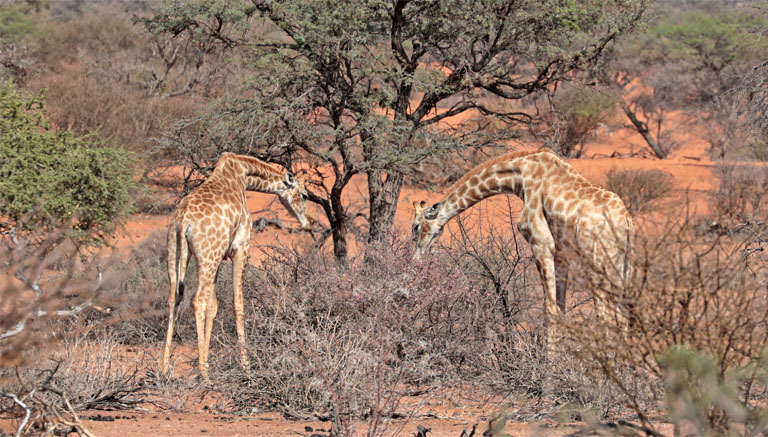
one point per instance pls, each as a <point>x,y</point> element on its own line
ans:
<point>110,107</point>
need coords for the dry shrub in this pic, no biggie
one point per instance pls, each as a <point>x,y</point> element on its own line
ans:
<point>573,120</point>
<point>697,318</point>
<point>741,194</point>
<point>121,115</point>
<point>98,72</point>
<point>83,373</point>
<point>641,190</point>
<point>497,258</point>
<point>109,35</point>
<point>43,282</point>
<point>349,341</point>
<point>57,354</point>
<point>145,286</point>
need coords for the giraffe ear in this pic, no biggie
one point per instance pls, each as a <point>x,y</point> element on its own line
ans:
<point>431,213</point>
<point>289,181</point>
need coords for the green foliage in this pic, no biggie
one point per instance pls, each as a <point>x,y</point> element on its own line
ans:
<point>202,16</point>
<point>49,177</point>
<point>16,20</point>
<point>715,37</point>
<point>712,399</point>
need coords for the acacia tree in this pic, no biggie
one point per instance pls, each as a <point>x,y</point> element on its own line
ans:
<point>687,60</point>
<point>370,86</point>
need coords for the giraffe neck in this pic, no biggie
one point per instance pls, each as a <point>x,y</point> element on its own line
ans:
<point>254,174</point>
<point>501,177</point>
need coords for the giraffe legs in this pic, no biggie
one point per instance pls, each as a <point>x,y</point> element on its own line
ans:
<point>538,235</point>
<point>546,267</point>
<point>178,260</point>
<point>205,307</point>
<point>536,232</point>
<point>239,260</point>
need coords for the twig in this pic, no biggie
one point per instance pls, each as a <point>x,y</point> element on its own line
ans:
<point>21,325</point>
<point>27,411</point>
<point>77,423</point>
<point>464,433</point>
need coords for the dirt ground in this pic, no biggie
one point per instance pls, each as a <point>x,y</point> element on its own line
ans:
<point>446,415</point>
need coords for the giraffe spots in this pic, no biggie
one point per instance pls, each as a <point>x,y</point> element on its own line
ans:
<point>462,191</point>
<point>474,195</point>
<point>492,184</point>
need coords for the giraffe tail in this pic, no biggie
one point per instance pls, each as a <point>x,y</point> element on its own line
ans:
<point>182,252</point>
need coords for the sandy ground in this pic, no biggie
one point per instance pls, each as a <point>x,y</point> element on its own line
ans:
<point>692,173</point>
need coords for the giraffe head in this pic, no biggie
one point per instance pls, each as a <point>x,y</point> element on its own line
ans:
<point>426,228</point>
<point>294,199</point>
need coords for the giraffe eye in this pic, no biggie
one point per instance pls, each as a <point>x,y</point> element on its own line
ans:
<point>415,228</point>
<point>303,196</point>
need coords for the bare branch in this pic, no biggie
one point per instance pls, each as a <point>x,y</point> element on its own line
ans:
<point>27,411</point>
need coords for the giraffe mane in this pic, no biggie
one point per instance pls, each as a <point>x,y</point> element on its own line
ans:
<point>482,166</point>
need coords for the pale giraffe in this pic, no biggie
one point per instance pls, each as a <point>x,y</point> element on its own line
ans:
<point>561,210</point>
<point>213,223</point>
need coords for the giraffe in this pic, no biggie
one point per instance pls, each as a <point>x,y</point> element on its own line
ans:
<point>213,223</point>
<point>561,210</point>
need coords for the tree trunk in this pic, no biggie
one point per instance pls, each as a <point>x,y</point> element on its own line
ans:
<point>383,192</point>
<point>340,244</point>
<point>642,128</point>
<point>339,223</point>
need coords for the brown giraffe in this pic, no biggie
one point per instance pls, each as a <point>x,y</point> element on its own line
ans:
<point>213,224</point>
<point>561,210</point>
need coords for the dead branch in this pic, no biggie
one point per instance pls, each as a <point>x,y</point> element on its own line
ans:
<point>21,325</point>
<point>27,411</point>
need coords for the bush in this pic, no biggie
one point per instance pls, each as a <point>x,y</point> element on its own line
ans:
<point>741,194</point>
<point>576,113</point>
<point>641,190</point>
<point>98,77</point>
<point>16,21</point>
<point>696,311</point>
<point>85,374</point>
<point>352,340</point>
<point>49,177</point>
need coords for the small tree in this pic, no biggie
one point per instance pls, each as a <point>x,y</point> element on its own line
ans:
<point>575,115</point>
<point>49,177</point>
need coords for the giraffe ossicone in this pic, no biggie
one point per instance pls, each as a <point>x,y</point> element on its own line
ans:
<point>562,210</point>
<point>213,223</point>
